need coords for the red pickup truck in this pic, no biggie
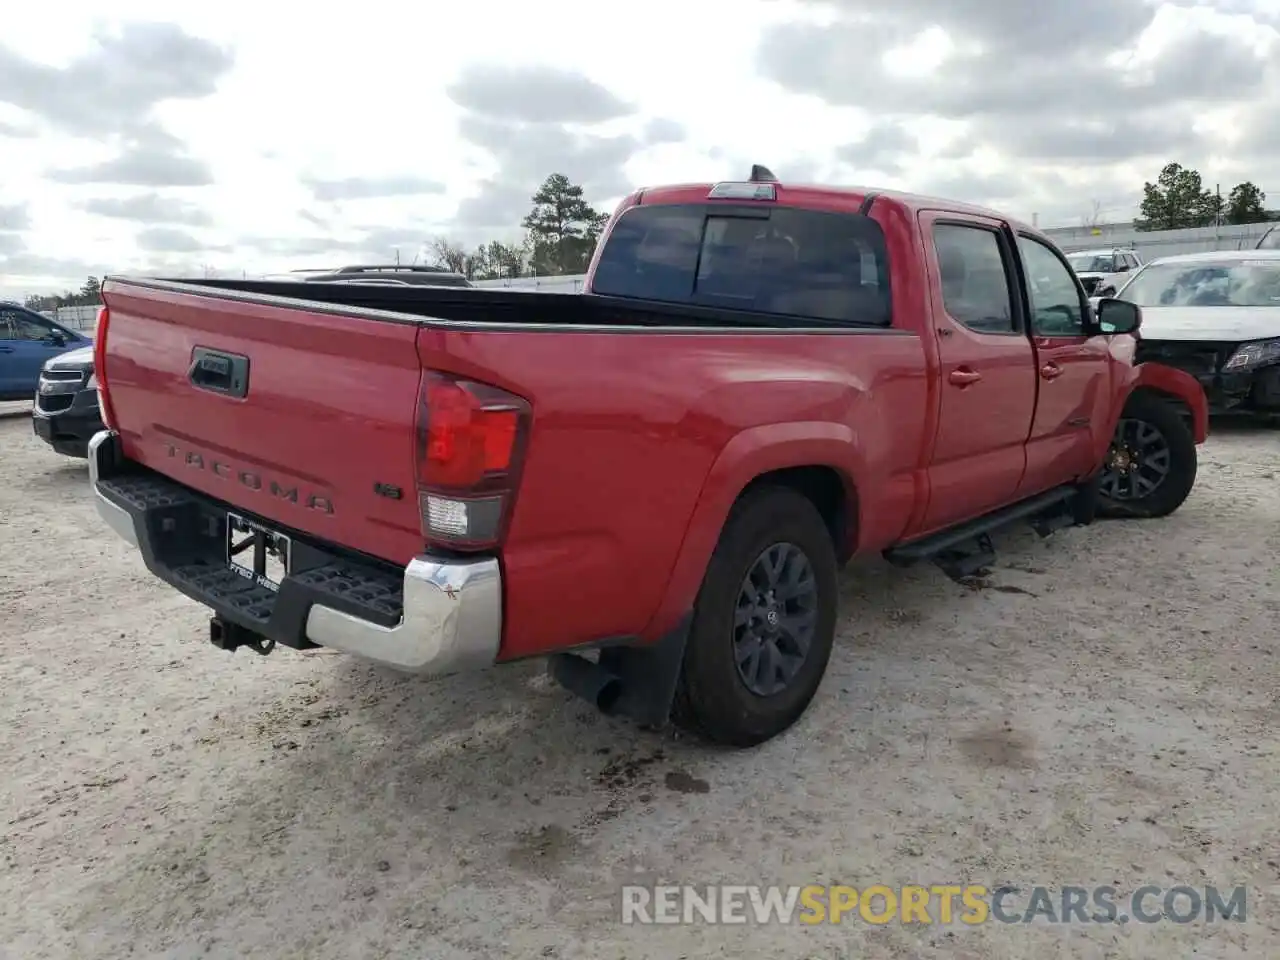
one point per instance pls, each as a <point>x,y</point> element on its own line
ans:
<point>655,482</point>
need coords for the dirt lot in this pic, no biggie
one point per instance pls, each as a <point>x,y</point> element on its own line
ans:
<point>1105,711</point>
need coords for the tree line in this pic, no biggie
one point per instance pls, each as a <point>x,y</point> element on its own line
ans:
<point>89,295</point>
<point>560,235</point>
<point>561,231</point>
<point>1179,199</point>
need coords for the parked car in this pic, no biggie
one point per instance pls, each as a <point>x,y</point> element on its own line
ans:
<point>376,274</point>
<point>27,340</point>
<point>1102,272</point>
<point>1216,316</point>
<point>761,382</point>
<point>66,414</point>
<point>382,273</point>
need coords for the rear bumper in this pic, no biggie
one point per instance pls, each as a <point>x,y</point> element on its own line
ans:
<point>436,616</point>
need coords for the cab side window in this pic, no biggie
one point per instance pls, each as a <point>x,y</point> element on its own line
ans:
<point>975,286</point>
<point>1056,306</point>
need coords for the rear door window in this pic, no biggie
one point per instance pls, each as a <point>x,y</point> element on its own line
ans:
<point>805,264</point>
<point>973,277</point>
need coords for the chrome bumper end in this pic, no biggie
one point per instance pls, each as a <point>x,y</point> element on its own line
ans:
<point>103,444</point>
<point>452,620</point>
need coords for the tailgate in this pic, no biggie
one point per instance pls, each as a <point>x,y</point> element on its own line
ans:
<point>302,418</point>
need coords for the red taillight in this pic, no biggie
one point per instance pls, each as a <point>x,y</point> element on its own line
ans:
<point>470,441</point>
<point>100,367</point>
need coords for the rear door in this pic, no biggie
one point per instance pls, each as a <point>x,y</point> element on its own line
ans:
<point>1073,371</point>
<point>988,389</point>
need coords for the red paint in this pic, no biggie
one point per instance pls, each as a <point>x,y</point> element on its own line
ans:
<point>639,442</point>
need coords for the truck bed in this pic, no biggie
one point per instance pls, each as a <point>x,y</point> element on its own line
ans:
<point>493,308</point>
<point>631,405</point>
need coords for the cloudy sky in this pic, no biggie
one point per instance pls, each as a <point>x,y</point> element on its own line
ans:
<point>269,136</point>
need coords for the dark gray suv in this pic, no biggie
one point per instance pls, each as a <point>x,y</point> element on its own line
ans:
<point>66,412</point>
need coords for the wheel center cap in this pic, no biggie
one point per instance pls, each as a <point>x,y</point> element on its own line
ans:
<point>772,618</point>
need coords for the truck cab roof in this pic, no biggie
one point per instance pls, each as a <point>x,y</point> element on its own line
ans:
<point>822,198</point>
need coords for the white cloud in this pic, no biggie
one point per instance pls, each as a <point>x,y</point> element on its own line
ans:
<point>378,128</point>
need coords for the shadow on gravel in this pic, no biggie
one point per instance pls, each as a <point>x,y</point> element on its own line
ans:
<point>475,761</point>
<point>408,803</point>
<point>1242,425</point>
<point>63,474</point>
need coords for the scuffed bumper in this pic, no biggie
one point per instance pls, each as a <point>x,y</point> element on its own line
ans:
<point>436,616</point>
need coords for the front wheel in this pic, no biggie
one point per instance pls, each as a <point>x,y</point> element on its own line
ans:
<point>1151,465</point>
<point>763,624</point>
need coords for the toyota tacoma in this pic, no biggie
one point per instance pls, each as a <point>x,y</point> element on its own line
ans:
<point>653,483</point>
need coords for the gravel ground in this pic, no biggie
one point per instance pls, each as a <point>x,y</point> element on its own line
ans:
<point>1103,711</point>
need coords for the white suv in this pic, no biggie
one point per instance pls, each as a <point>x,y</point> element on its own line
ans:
<point>1103,272</point>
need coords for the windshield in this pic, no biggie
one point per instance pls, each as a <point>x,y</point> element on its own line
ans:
<point>1091,263</point>
<point>1229,283</point>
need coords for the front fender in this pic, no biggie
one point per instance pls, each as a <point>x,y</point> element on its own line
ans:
<point>1158,378</point>
<point>1177,383</point>
<point>748,455</point>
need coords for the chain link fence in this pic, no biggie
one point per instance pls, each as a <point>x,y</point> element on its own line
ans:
<point>76,318</point>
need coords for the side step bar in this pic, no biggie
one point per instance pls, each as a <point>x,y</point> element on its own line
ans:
<point>962,550</point>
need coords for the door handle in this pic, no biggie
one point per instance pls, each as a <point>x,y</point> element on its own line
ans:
<point>225,373</point>
<point>963,377</point>
<point>1051,371</point>
<point>6,349</point>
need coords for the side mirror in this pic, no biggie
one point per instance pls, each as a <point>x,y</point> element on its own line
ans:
<point>1118,316</point>
<point>57,339</point>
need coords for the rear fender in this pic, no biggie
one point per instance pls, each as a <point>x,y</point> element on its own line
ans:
<point>751,454</point>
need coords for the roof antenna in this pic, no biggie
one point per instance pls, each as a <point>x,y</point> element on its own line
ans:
<point>762,174</point>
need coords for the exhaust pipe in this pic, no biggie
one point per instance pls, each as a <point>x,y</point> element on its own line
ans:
<point>586,679</point>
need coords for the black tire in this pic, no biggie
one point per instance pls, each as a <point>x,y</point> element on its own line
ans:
<point>713,700</point>
<point>1169,493</point>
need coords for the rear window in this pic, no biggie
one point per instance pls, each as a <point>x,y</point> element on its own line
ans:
<point>807,264</point>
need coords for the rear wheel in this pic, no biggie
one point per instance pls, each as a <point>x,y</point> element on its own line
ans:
<point>763,624</point>
<point>1151,465</point>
